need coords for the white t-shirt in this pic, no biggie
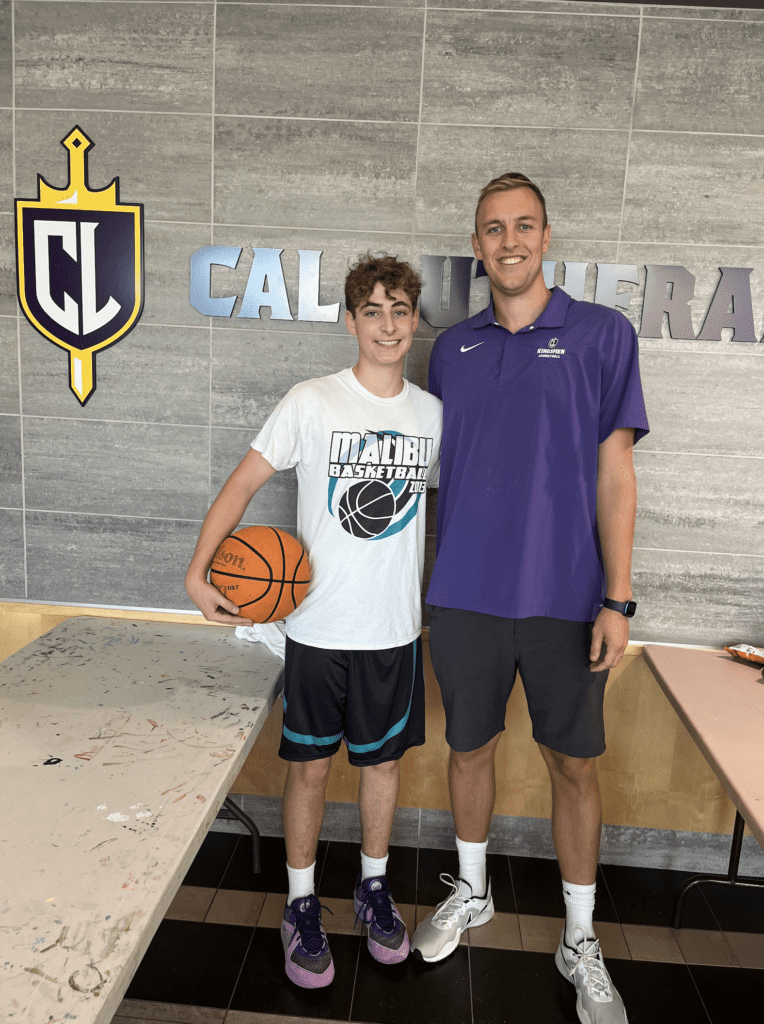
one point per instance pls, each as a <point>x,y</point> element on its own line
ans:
<point>363,464</point>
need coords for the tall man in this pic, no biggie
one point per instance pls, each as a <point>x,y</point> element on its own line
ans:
<point>365,443</point>
<point>542,404</point>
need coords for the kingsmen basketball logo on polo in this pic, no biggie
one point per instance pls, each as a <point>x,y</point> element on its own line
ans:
<point>79,255</point>
<point>376,480</point>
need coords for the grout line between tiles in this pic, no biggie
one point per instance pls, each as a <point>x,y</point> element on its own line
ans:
<point>241,968</point>
<point>323,865</point>
<point>690,551</point>
<point>628,144</point>
<point>25,554</point>
<point>426,233</point>
<point>355,975</point>
<point>521,8</point>
<point>416,152</point>
<point>210,320</point>
<point>469,977</point>
<point>612,903</point>
<point>700,996</point>
<point>358,120</point>
<point>514,897</point>
<point>704,455</point>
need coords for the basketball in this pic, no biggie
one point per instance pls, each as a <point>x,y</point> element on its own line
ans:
<point>264,571</point>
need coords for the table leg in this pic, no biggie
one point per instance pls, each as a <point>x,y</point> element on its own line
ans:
<point>730,878</point>
<point>245,819</point>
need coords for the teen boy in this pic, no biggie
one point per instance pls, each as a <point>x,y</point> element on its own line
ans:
<point>365,443</point>
<point>542,405</point>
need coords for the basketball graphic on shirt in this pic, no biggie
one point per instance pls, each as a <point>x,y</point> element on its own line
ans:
<point>376,481</point>
<point>367,509</point>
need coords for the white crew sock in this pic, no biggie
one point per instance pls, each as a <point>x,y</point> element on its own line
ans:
<point>301,882</point>
<point>472,866</point>
<point>579,909</point>
<point>372,867</point>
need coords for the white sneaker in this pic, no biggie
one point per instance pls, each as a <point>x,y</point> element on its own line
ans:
<point>438,935</point>
<point>597,1000</point>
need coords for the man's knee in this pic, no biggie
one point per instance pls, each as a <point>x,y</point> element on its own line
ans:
<point>578,772</point>
<point>468,761</point>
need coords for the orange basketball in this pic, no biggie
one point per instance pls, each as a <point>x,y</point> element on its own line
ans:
<point>263,570</point>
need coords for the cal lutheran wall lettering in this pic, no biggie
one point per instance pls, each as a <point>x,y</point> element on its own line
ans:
<point>668,291</point>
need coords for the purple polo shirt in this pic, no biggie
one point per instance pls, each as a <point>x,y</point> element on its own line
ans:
<point>523,416</point>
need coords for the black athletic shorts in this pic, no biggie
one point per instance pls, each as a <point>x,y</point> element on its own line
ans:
<point>374,700</point>
<point>476,658</point>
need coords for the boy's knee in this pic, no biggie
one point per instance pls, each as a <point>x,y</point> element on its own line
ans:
<point>310,773</point>
<point>386,769</point>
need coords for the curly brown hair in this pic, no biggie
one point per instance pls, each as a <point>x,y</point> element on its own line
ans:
<point>393,274</point>
<point>506,182</point>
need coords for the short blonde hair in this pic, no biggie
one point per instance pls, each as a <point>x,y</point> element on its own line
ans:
<point>507,182</point>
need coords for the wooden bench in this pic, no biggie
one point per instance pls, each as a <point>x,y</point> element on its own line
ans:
<point>721,701</point>
<point>119,741</point>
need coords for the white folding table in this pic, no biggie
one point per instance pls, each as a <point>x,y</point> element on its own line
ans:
<point>119,741</point>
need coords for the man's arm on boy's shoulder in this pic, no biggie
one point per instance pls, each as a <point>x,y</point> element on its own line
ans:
<point>222,519</point>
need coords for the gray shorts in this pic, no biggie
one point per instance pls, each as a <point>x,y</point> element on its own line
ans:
<point>476,658</point>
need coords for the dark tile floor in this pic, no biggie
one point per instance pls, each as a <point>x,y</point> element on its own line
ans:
<point>199,970</point>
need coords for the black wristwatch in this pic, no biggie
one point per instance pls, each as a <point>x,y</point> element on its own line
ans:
<point>626,608</point>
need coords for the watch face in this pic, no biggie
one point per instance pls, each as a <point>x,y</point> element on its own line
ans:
<point>631,607</point>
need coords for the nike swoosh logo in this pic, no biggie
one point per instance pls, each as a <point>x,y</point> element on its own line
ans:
<point>470,347</point>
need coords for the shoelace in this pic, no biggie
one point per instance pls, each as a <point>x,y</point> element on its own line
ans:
<point>378,900</point>
<point>446,912</point>
<point>308,924</point>
<point>596,977</point>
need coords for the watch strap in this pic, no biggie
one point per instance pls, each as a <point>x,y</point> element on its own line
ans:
<point>626,608</point>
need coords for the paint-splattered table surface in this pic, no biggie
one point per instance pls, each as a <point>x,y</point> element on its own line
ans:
<point>119,740</point>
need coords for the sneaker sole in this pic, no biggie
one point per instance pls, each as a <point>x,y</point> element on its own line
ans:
<point>483,918</point>
<point>583,1016</point>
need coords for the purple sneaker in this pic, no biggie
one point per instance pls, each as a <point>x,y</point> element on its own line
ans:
<point>308,959</point>
<point>386,933</point>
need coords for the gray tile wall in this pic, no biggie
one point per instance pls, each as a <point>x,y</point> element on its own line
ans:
<point>372,124</point>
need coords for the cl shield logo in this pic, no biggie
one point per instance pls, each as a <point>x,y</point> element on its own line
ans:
<point>79,256</point>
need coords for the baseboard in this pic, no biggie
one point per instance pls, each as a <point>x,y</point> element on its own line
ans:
<point>525,837</point>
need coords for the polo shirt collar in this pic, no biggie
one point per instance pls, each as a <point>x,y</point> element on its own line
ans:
<point>552,317</point>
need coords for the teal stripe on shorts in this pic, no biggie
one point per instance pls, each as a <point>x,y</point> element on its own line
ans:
<point>319,741</point>
<point>365,748</point>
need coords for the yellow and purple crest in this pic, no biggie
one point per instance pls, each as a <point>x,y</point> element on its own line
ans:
<point>79,256</point>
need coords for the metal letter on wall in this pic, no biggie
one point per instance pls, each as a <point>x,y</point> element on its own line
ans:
<point>266,268</point>
<point>307,301</point>
<point>79,254</point>
<point>608,277</point>
<point>730,307</point>
<point>430,303</point>
<point>658,283</point>
<point>574,281</point>
<point>202,262</point>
